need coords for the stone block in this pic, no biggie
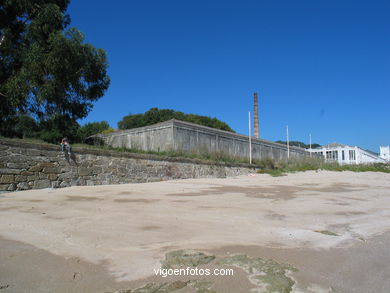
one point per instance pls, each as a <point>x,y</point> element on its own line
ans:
<point>20,178</point>
<point>32,177</point>
<point>84,171</point>
<point>4,148</point>
<point>32,153</point>
<point>122,171</point>
<point>49,164</point>
<point>17,158</point>
<point>7,179</point>
<point>51,170</point>
<point>36,168</point>
<point>4,187</point>
<point>27,173</point>
<point>23,186</point>
<point>64,184</point>
<point>12,187</point>
<point>78,182</point>
<point>42,176</point>
<point>97,170</point>
<point>10,171</point>
<point>63,176</point>
<point>38,184</point>
<point>55,184</point>
<point>43,165</point>
<point>17,165</point>
<point>66,168</point>
<point>52,177</point>
<point>90,183</point>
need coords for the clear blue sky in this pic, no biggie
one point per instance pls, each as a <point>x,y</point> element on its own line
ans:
<point>320,67</point>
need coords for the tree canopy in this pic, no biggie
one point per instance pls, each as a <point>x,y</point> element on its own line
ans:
<point>155,115</point>
<point>46,69</point>
<point>300,144</point>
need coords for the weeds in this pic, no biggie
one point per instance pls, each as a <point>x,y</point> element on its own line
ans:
<point>265,166</point>
<point>313,164</point>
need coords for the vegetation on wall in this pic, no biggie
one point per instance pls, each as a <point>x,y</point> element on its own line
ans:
<point>155,115</point>
<point>54,129</point>
<point>300,144</point>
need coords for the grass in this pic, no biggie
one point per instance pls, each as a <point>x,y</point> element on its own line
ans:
<point>217,157</point>
<point>313,164</point>
<point>264,166</point>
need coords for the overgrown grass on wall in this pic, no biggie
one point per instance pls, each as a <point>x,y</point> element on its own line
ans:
<point>266,165</point>
<point>307,164</point>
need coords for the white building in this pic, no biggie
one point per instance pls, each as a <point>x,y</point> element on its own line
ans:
<point>345,154</point>
<point>385,153</point>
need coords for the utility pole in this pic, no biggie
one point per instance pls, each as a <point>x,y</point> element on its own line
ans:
<point>250,138</point>
<point>256,116</point>
<point>288,144</point>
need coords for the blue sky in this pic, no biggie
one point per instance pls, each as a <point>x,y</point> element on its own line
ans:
<point>320,67</point>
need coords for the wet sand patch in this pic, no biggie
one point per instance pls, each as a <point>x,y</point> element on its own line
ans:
<point>275,216</point>
<point>124,193</point>
<point>82,198</point>
<point>213,207</point>
<point>149,228</point>
<point>9,208</point>
<point>25,268</point>
<point>349,213</point>
<point>355,198</point>
<point>140,200</point>
<point>275,192</point>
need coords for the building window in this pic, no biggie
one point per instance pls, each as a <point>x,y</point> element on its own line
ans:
<point>342,155</point>
<point>332,155</point>
<point>352,155</point>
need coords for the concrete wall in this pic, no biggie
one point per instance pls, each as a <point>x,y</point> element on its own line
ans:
<point>188,137</point>
<point>33,166</point>
<point>156,138</point>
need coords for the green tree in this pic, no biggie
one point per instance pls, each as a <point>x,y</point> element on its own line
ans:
<point>46,69</point>
<point>155,115</point>
<point>25,127</point>
<point>300,144</point>
<point>91,129</point>
<point>54,129</point>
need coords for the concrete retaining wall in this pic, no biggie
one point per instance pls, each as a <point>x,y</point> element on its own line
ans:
<point>33,166</point>
<point>174,135</point>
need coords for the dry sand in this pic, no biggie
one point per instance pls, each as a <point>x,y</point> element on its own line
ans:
<point>332,226</point>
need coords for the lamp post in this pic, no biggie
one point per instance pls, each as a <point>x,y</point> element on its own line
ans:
<point>288,144</point>
<point>250,138</point>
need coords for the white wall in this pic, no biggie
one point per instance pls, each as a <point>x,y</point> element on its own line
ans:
<point>385,153</point>
<point>352,155</point>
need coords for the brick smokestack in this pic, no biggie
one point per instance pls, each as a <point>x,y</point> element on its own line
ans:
<point>256,116</point>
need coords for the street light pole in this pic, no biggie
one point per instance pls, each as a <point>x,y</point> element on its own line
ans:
<point>288,143</point>
<point>250,138</point>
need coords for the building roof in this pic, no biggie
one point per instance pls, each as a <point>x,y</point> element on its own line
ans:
<point>334,145</point>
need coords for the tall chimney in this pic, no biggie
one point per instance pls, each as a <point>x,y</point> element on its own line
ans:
<point>256,116</point>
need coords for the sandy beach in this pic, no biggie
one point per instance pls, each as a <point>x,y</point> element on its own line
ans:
<point>324,231</point>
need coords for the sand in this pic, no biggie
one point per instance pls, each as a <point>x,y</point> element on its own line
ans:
<point>333,227</point>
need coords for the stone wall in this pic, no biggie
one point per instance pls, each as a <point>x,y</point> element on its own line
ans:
<point>33,166</point>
